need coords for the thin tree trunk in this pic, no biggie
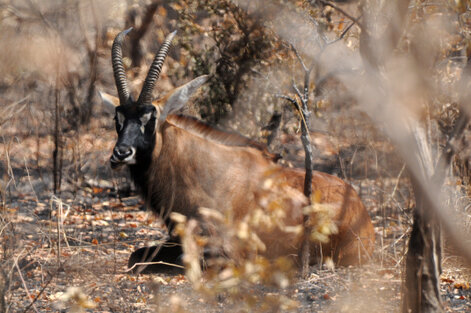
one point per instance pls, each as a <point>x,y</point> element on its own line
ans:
<point>306,140</point>
<point>421,291</point>
<point>57,153</point>
<point>305,248</point>
<point>136,48</point>
<point>303,109</point>
<point>3,290</point>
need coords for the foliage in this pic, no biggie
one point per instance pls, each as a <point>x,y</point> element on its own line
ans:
<point>232,45</point>
<point>247,251</point>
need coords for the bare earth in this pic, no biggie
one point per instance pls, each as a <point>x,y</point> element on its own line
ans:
<point>83,236</point>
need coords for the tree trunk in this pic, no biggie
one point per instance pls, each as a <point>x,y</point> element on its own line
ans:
<point>421,291</point>
<point>137,54</point>
<point>3,290</point>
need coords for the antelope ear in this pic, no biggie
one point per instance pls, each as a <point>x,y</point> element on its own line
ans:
<point>180,96</point>
<point>109,100</point>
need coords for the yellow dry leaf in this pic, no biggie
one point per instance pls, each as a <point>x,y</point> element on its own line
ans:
<point>462,285</point>
<point>78,300</point>
<point>211,214</point>
<point>177,217</point>
<point>243,230</point>
<point>329,263</point>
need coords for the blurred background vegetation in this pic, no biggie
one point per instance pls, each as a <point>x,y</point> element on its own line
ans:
<point>55,58</point>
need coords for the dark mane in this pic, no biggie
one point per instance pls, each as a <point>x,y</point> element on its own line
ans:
<point>206,131</point>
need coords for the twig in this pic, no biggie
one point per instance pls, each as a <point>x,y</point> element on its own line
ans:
<point>294,102</point>
<point>333,6</point>
<point>60,221</point>
<point>24,285</point>
<point>4,226</point>
<point>152,263</point>
<point>58,236</point>
<point>307,72</point>
<point>397,182</point>
<point>299,57</point>
<point>9,167</point>
<point>8,112</point>
<point>342,35</point>
<point>29,180</point>
<point>39,294</point>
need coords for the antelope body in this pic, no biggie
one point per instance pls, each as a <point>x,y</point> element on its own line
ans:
<point>181,164</point>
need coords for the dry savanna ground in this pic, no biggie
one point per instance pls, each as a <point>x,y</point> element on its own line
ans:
<point>70,250</point>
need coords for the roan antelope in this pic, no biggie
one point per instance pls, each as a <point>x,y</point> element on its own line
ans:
<point>180,164</point>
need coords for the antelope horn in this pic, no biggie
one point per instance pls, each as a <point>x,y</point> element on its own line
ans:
<point>146,94</point>
<point>118,68</point>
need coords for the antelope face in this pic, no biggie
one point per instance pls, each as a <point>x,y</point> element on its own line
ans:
<point>136,128</point>
<point>137,121</point>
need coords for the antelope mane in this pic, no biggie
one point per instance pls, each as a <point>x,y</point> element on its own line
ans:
<point>201,129</point>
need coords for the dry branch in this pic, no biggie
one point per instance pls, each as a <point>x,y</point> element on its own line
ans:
<point>135,37</point>
<point>304,113</point>
<point>12,109</point>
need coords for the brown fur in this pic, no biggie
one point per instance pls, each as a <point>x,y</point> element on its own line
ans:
<point>196,166</point>
<point>193,165</point>
<point>201,129</point>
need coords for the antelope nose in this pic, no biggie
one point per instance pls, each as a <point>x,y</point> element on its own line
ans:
<point>122,152</point>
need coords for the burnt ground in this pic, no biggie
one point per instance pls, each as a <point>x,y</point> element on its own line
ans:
<point>82,238</point>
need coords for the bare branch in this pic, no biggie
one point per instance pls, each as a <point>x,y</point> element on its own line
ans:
<point>342,35</point>
<point>298,93</point>
<point>11,109</point>
<point>24,284</point>
<point>333,6</point>
<point>294,102</point>
<point>138,34</point>
<point>304,253</point>
<point>299,57</point>
<point>44,286</point>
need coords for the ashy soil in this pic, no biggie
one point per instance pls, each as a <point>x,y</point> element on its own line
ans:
<point>83,235</point>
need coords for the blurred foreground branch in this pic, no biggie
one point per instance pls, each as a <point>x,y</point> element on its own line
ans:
<point>421,291</point>
<point>423,261</point>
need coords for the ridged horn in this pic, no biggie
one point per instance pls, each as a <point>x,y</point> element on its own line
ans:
<point>118,68</point>
<point>154,71</point>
